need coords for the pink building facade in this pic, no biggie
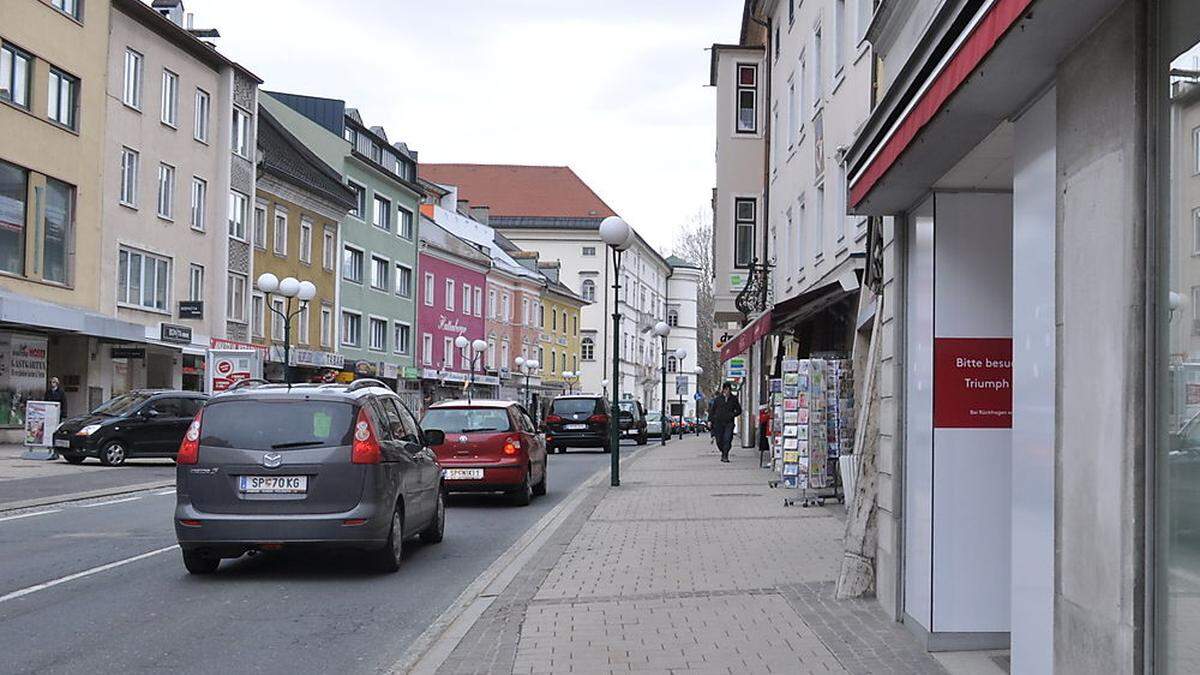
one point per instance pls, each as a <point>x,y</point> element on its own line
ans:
<point>513,307</point>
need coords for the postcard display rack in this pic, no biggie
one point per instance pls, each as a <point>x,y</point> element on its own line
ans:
<point>813,404</point>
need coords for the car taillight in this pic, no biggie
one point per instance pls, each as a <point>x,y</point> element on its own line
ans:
<point>553,419</point>
<point>189,449</point>
<point>511,446</point>
<point>366,448</point>
<point>599,419</point>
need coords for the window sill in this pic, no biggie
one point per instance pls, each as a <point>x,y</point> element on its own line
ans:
<point>241,239</point>
<point>134,108</point>
<point>166,219</point>
<point>18,107</point>
<point>352,281</point>
<point>139,308</point>
<point>818,108</point>
<point>69,17</point>
<point>172,127</point>
<point>201,141</point>
<point>131,207</point>
<point>59,125</point>
<point>350,346</point>
<point>838,78</point>
<point>277,254</point>
<point>198,230</point>
<point>863,48</point>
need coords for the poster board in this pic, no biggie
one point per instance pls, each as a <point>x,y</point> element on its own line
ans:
<point>229,366</point>
<point>41,420</point>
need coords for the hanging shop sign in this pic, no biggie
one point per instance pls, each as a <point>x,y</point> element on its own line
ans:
<point>129,352</point>
<point>191,309</point>
<point>169,332</point>
<point>972,383</point>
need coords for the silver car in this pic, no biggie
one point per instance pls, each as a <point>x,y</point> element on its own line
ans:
<point>654,424</point>
<point>264,467</point>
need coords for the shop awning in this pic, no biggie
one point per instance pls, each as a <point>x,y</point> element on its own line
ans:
<point>27,312</point>
<point>755,331</point>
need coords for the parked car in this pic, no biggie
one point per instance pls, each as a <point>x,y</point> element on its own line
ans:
<point>579,421</point>
<point>265,466</point>
<point>633,421</point>
<point>655,426</point>
<point>141,423</point>
<point>490,446</point>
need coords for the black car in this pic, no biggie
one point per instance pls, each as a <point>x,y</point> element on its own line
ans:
<point>633,421</point>
<point>142,423</point>
<point>273,466</point>
<point>579,421</point>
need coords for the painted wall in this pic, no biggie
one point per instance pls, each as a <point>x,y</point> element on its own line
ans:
<point>437,321</point>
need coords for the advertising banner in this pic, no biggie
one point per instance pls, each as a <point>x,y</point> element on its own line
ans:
<point>972,383</point>
<point>41,419</point>
<point>230,366</point>
<point>22,375</point>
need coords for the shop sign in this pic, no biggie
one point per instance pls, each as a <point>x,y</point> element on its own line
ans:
<point>736,367</point>
<point>745,339</point>
<point>223,343</point>
<point>365,368</point>
<point>411,373</point>
<point>389,370</point>
<point>41,419</point>
<point>972,383</point>
<point>451,325</point>
<point>317,359</point>
<point>231,366</point>
<point>22,375</point>
<point>169,332</point>
<point>129,352</point>
<point>737,281</point>
<point>191,309</point>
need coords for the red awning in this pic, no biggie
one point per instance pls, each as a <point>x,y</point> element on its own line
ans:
<point>760,328</point>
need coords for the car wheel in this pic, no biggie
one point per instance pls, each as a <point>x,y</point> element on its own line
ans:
<point>524,494</point>
<point>388,558</point>
<point>112,454</point>
<point>642,439</point>
<point>561,449</point>
<point>433,534</point>
<point>539,490</point>
<point>199,563</point>
<point>73,458</point>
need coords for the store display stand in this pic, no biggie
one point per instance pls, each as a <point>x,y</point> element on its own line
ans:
<point>813,403</point>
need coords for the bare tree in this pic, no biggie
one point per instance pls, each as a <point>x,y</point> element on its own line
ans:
<point>694,243</point>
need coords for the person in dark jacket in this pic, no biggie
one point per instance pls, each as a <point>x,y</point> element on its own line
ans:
<point>55,393</point>
<point>722,412</point>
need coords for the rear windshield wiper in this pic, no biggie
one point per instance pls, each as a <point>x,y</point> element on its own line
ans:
<point>297,444</point>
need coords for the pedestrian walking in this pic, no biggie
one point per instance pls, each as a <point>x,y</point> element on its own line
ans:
<point>764,432</point>
<point>56,394</point>
<point>723,412</point>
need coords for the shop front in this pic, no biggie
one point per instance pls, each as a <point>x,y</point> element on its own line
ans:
<point>442,385</point>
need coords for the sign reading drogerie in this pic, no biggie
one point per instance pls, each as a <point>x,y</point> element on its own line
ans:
<point>972,383</point>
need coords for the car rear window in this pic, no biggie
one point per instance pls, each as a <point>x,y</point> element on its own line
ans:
<point>575,406</point>
<point>466,420</point>
<point>277,425</point>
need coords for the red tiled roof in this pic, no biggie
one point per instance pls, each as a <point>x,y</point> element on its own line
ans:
<point>537,191</point>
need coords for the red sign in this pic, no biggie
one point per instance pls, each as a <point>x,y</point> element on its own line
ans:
<point>745,339</point>
<point>972,383</point>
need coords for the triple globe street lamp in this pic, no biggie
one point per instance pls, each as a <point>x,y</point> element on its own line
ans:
<point>618,237</point>
<point>527,367</point>
<point>289,288</point>
<point>571,378</point>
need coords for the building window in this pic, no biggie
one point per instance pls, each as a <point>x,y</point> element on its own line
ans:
<point>589,290</point>
<point>329,249</point>
<point>866,10</point>
<point>429,290</point>
<point>170,98</point>
<point>241,133</point>
<point>506,307</point>
<point>587,348</point>
<point>553,361</point>
<point>143,279</point>
<point>235,298</point>
<point>466,299</point>
<point>380,267</point>
<point>819,223</point>
<point>817,83</point>
<point>302,326</point>
<point>589,251</point>
<point>199,199</point>
<point>575,324</point>
<point>352,264</point>
<point>491,303</point>
<point>15,67</point>
<point>403,338</point>
<point>541,315</point>
<point>1196,231</point>
<point>258,315</point>
<point>478,300</point>
<point>839,36</point>
<point>360,200</point>
<point>404,279</point>
<point>672,364</point>
<point>427,349</point>
<point>62,97</point>
<point>406,223</point>
<point>326,326</point>
<point>553,318</point>
<point>747,98</point>
<point>450,295</point>
<point>132,93</point>
<point>673,317</point>
<point>448,352</point>
<point>203,112</point>
<point>351,329</point>
<point>239,205</point>
<point>277,323</point>
<point>129,177</point>
<point>777,42</point>
<point>382,216</point>
<point>744,218</point>
<point>504,354</point>
<point>14,193</point>
<point>491,352</point>
<point>58,231</point>
<point>166,191</point>
<point>793,115</point>
<point>305,240</point>
<point>279,234</point>
<point>195,282</point>
<point>68,7</point>
<point>379,329</point>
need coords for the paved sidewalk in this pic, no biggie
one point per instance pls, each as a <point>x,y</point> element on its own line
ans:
<point>24,481</point>
<point>691,566</point>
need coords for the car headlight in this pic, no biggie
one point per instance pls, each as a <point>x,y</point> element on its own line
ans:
<point>88,430</point>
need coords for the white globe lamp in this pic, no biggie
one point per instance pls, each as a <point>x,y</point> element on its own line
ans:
<point>267,282</point>
<point>289,287</point>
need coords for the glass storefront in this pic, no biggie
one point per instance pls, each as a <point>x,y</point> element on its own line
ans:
<point>1176,123</point>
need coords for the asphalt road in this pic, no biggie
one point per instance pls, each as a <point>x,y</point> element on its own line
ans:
<point>271,613</point>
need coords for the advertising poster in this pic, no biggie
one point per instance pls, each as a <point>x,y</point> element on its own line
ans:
<point>22,375</point>
<point>230,366</point>
<point>41,419</point>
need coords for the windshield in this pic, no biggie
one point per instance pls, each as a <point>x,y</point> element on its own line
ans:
<point>575,406</point>
<point>629,407</point>
<point>466,420</point>
<point>121,405</point>
<point>277,425</point>
<point>653,416</point>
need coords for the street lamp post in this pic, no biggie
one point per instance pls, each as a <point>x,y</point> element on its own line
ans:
<point>662,329</point>
<point>618,236</point>
<point>680,355</point>
<point>571,378</point>
<point>699,372</point>
<point>289,288</point>
<point>527,368</point>
<point>477,349</point>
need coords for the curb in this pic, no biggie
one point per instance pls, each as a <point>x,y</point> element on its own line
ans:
<point>80,496</point>
<point>431,649</point>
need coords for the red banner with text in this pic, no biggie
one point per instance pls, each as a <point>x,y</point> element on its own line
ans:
<point>972,383</point>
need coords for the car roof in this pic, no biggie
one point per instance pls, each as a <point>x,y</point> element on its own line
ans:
<point>473,403</point>
<point>168,392</point>
<point>337,391</point>
<point>580,396</point>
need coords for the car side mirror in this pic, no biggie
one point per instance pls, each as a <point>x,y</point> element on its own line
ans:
<point>433,437</point>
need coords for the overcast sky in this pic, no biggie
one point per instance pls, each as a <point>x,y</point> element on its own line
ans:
<point>613,88</point>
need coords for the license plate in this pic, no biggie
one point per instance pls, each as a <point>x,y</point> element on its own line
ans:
<point>575,427</point>
<point>462,474</point>
<point>62,443</point>
<point>273,484</point>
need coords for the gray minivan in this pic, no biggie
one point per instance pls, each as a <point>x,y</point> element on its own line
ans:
<point>267,466</point>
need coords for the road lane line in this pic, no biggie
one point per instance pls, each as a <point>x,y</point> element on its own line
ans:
<point>165,492</point>
<point>29,515</point>
<point>115,501</point>
<point>86,573</point>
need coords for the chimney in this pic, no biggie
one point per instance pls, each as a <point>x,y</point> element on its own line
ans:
<point>191,20</point>
<point>463,207</point>
<point>172,9</point>
<point>480,213</point>
<point>550,268</point>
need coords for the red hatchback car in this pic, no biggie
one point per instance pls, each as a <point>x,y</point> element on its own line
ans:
<point>491,446</point>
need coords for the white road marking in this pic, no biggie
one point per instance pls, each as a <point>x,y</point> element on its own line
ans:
<point>29,515</point>
<point>115,501</point>
<point>165,492</point>
<point>86,573</point>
